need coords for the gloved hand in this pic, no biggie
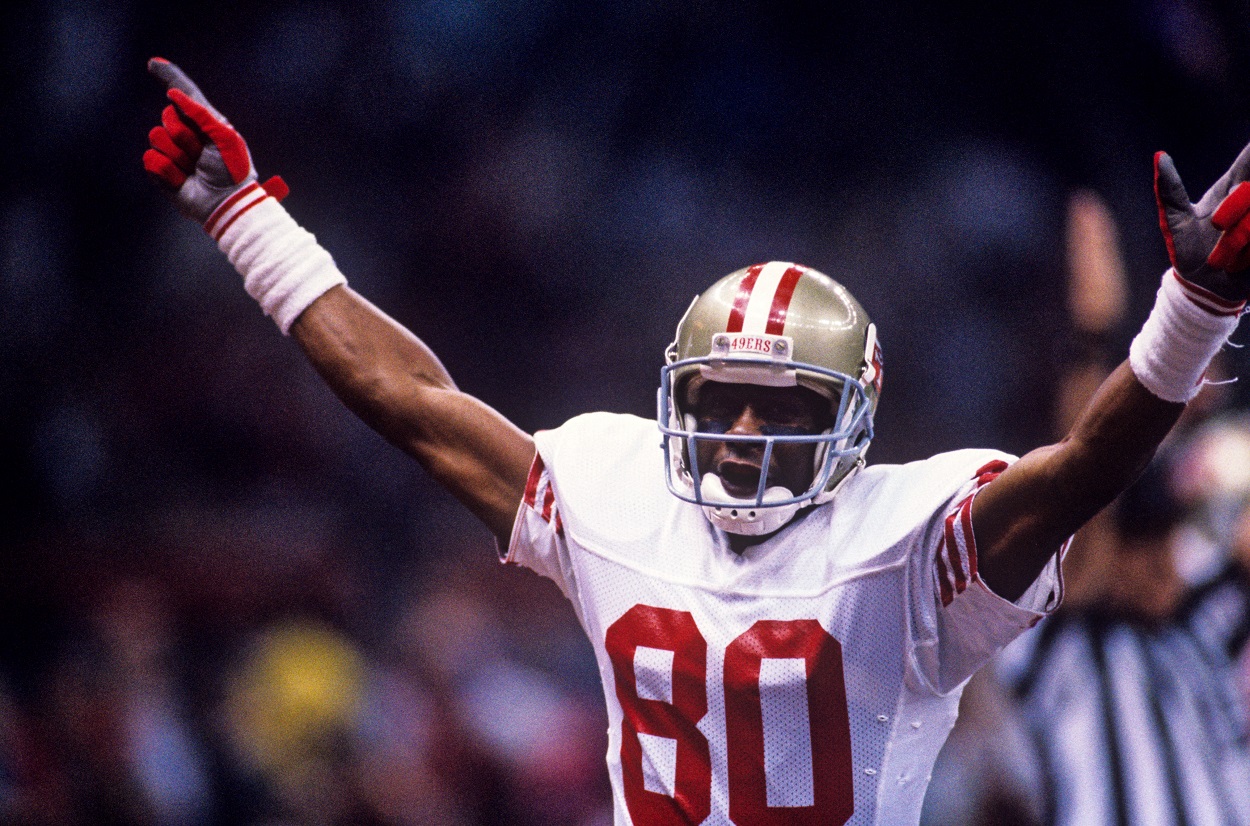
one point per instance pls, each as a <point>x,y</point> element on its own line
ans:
<point>1208,242</point>
<point>196,155</point>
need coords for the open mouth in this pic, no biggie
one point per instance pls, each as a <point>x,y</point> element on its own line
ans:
<point>740,479</point>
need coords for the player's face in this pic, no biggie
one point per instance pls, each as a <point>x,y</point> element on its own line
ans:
<point>752,410</point>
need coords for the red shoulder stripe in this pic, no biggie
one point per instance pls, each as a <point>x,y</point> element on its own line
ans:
<point>549,501</point>
<point>991,469</point>
<point>531,482</point>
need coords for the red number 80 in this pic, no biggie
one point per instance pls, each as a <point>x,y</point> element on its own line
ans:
<point>675,631</point>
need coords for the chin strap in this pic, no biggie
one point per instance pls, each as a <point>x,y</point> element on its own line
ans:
<point>746,518</point>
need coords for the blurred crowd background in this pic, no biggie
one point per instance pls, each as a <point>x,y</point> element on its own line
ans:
<point>224,600</point>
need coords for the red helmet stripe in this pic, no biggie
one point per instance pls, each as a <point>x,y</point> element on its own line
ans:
<point>739,311</point>
<point>781,300</point>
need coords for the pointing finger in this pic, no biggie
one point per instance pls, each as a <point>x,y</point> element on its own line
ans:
<point>175,78</point>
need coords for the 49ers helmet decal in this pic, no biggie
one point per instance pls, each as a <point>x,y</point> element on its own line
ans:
<point>779,325</point>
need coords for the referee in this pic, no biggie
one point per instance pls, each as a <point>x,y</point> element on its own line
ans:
<point>1130,700</point>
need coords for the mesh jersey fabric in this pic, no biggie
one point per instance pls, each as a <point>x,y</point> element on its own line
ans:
<point>811,679</point>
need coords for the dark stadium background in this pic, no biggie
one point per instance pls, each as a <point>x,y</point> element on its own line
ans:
<point>537,189</point>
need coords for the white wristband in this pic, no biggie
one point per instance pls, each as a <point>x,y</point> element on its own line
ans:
<point>1185,330</point>
<point>283,266</point>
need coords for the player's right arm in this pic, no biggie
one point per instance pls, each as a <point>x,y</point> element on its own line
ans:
<point>384,373</point>
<point>395,383</point>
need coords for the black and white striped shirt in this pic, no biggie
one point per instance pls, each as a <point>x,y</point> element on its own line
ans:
<point>1136,723</point>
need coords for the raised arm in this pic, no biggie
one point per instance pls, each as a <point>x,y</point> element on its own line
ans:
<point>396,384</point>
<point>384,373</point>
<point>1027,513</point>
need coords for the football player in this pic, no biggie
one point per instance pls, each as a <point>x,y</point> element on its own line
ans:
<point>782,632</point>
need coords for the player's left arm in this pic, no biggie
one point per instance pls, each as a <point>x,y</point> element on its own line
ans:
<point>1023,517</point>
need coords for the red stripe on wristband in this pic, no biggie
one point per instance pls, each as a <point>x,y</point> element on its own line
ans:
<point>227,204</point>
<point>230,221</point>
<point>1207,300</point>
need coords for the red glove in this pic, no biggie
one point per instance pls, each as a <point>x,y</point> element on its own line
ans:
<point>1208,242</point>
<point>196,155</point>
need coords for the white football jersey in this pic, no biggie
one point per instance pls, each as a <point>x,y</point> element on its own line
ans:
<point>811,680</point>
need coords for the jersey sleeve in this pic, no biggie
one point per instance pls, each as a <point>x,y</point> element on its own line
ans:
<point>538,540</point>
<point>971,623</point>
